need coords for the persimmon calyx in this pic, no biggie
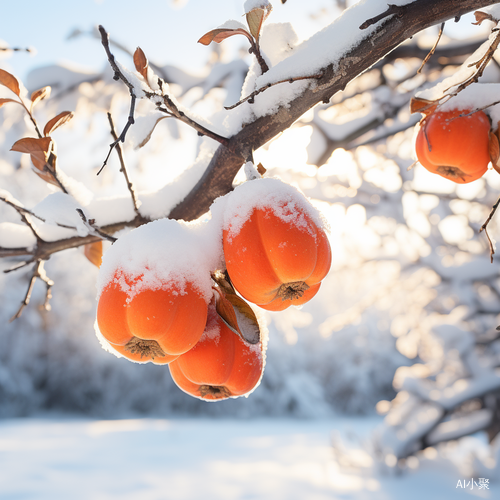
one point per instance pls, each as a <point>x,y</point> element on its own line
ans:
<point>215,391</point>
<point>451,172</point>
<point>146,348</point>
<point>293,290</point>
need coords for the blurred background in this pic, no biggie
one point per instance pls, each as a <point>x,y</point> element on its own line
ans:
<point>407,255</point>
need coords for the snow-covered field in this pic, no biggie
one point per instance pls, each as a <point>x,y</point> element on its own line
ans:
<point>202,459</point>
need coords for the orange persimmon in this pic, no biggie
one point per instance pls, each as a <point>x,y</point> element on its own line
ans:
<point>221,365</point>
<point>151,324</point>
<point>453,146</point>
<point>276,262</point>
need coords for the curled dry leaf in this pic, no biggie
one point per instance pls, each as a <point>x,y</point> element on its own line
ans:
<point>39,151</point>
<point>237,314</point>
<point>255,19</point>
<point>141,63</point>
<point>261,169</point>
<point>9,81</point>
<point>424,106</point>
<point>39,94</point>
<point>93,252</point>
<point>57,121</point>
<point>5,101</point>
<point>483,16</point>
<point>220,34</point>
<point>494,149</point>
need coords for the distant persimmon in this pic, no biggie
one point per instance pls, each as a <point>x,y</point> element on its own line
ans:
<point>454,144</point>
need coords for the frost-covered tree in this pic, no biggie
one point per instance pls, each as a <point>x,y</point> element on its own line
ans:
<point>331,115</point>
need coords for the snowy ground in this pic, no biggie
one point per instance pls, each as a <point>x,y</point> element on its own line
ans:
<point>146,459</point>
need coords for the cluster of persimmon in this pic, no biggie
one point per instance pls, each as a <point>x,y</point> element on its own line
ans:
<point>202,329</point>
<point>457,144</point>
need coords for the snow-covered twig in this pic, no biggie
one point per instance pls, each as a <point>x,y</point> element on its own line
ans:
<point>38,272</point>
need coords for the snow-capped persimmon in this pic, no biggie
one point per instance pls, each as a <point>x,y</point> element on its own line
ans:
<point>453,146</point>
<point>221,365</point>
<point>150,324</point>
<point>278,257</point>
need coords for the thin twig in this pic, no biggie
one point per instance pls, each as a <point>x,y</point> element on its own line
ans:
<point>16,49</point>
<point>251,96</point>
<point>172,110</point>
<point>123,168</point>
<point>480,65</point>
<point>255,49</point>
<point>431,52</point>
<point>118,76</point>
<point>397,10</point>
<point>90,224</point>
<point>484,228</point>
<point>22,213</point>
<point>38,272</point>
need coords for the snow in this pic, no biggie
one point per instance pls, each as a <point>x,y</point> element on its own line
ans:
<point>281,198</point>
<point>163,252</point>
<point>57,459</point>
<point>343,34</point>
<point>249,5</point>
<point>16,236</point>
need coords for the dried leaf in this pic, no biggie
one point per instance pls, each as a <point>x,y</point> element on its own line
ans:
<point>220,34</point>
<point>494,149</point>
<point>255,18</point>
<point>57,121</point>
<point>261,169</point>
<point>237,315</point>
<point>141,63</point>
<point>148,137</point>
<point>93,252</point>
<point>424,106</point>
<point>247,321</point>
<point>39,151</point>
<point>9,81</point>
<point>39,94</point>
<point>5,101</point>
<point>483,16</point>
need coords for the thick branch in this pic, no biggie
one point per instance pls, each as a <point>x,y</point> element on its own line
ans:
<point>217,179</point>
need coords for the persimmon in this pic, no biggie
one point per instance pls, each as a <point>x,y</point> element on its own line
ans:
<point>221,365</point>
<point>453,146</point>
<point>278,257</point>
<point>150,323</point>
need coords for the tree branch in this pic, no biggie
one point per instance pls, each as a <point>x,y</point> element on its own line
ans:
<point>218,177</point>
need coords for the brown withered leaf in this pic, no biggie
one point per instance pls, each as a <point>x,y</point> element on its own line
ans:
<point>424,106</point>
<point>93,252</point>
<point>255,18</point>
<point>39,151</point>
<point>237,315</point>
<point>9,81</point>
<point>483,16</point>
<point>5,101</point>
<point>141,63</point>
<point>57,121</point>
<point>261,169</point>
<point>220,34</point>
<point>39,94</point>
<point>494,150</point>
